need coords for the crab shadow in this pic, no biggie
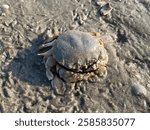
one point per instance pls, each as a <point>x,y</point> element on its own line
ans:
<point>28,67</point>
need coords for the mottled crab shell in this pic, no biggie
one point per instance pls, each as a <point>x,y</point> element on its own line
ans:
<point>77,50</point>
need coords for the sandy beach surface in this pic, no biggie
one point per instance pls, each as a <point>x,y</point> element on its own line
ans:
<point>24,86</point>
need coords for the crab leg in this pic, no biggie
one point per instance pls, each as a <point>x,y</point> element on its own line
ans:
<point>49,74</point>
<point>50,62</point>
<point>46,54</point>
<point>49,44</point>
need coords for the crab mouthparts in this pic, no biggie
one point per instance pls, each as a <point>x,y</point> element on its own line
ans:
<point>82,69</point>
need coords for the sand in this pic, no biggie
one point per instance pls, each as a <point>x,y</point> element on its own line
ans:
<point>24,86</point>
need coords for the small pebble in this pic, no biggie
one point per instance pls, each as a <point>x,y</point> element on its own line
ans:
<point>139,90</point>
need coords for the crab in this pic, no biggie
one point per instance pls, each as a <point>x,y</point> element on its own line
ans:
<point>74,56</point>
